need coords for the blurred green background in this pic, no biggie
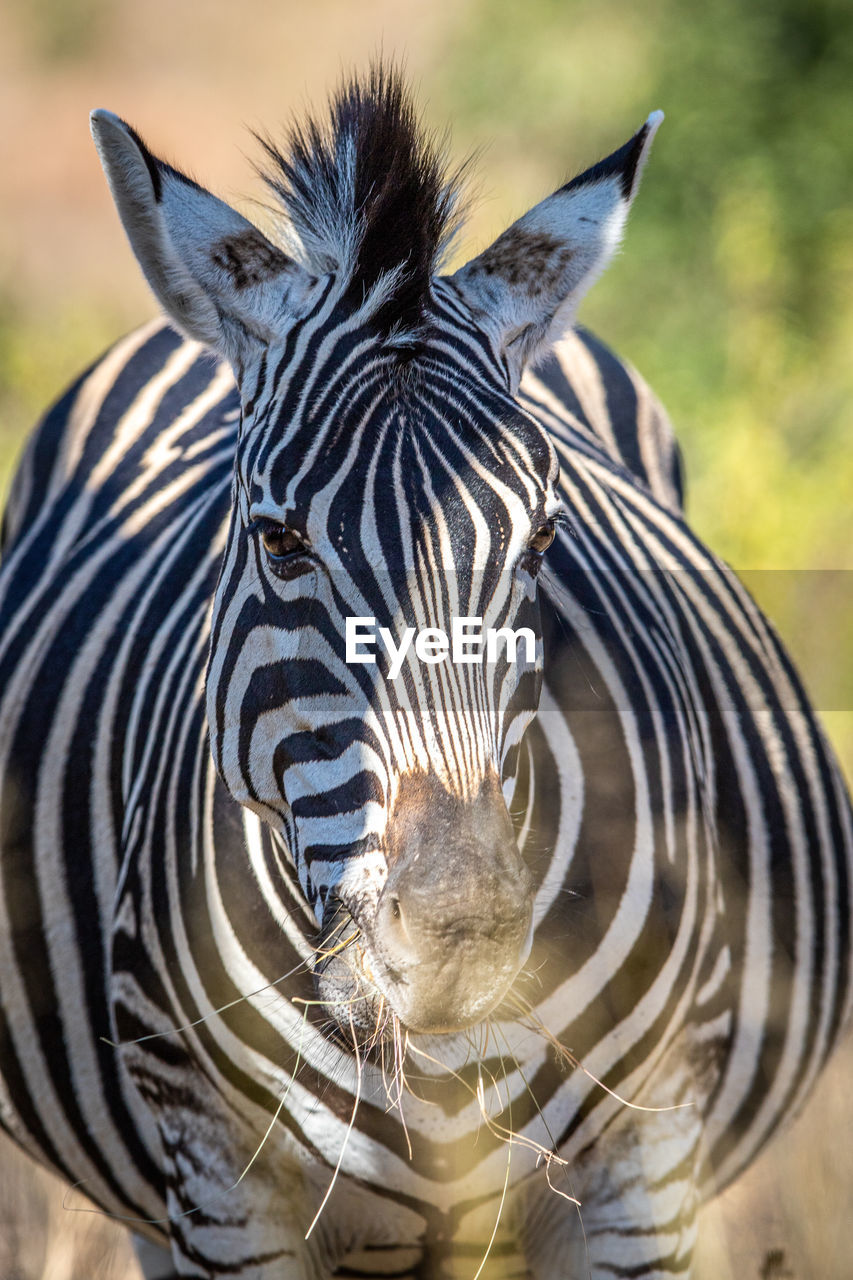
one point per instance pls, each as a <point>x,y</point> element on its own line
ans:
<point>733,295</point>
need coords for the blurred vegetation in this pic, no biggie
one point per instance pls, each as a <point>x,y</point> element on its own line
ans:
<point>734,294</point>
<point>64,30</point>
<point>38,356</point>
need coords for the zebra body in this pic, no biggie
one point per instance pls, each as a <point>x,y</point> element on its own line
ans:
<point>198,979</point>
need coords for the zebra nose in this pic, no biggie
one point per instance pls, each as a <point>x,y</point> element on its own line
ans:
<point>452,925</point>
<point>451,945</point>
<point>419,923</point>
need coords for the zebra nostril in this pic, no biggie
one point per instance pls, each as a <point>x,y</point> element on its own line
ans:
<point>397,923</point>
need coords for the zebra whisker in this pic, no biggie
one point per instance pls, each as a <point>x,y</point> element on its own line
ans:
<point>501,1204</point>
<point>547,1158</point>
<point>399,1077</point>
<point>230,1004</point>
<point>330,1003</point>
<point>565,1055</point>
<point>507,1135</point>
<point>355,1103</point>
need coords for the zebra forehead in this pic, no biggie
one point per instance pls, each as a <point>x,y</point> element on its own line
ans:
<point>419,454</point>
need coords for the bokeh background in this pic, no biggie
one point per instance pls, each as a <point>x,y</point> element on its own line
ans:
<point>734,296</point>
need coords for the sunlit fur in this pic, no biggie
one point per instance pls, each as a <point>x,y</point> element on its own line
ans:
<point>202,803</point>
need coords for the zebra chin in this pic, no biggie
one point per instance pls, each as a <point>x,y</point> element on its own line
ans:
<point>363,995</point>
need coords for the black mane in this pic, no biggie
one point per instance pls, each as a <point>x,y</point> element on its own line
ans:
<point>369,196</point>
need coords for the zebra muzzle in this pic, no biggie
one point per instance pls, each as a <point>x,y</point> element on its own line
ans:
<point>450,945</point>
<point>451,928</point>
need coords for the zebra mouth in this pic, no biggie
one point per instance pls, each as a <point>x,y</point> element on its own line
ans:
<point>456,987</point>
<point>347,989</point>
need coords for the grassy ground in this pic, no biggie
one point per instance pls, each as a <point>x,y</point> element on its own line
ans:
<point>757,376</point>
<point>42,1239</point>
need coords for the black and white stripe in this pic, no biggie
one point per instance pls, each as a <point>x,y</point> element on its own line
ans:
<point>212,824</point>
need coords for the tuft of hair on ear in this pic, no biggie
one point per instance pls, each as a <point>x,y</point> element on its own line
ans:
<point>370,196</point>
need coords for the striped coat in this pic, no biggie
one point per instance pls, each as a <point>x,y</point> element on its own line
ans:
<point>195,1023</point>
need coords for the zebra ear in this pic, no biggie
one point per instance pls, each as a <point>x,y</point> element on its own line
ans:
<point>527,285</point>
<point>220,280</point>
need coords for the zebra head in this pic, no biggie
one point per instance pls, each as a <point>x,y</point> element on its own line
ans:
<point>384,472</point>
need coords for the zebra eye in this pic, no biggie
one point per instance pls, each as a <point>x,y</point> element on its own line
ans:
<point>542,538</point>
<point>280,541</point>
<point>285,550</point>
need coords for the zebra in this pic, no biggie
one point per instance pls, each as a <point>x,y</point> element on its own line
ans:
<point>495,968</point>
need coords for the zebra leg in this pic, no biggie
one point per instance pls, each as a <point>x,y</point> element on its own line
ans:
<point>638,1207</point>
<point>232,1214</point>
<point>236,1206</point>
<point>636,1183</point>
<point>635,1217</point>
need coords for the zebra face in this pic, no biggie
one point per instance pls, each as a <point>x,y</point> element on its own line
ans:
<point>415,497</point>
<point>384,472</point>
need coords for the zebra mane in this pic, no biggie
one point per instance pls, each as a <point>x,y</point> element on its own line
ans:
<point>368,196</point>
